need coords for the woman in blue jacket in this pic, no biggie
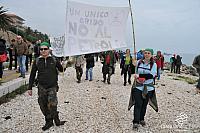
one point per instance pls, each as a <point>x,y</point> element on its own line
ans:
<point>143,89</point>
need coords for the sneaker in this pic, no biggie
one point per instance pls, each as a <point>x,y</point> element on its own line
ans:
<point>109,82</point>
<point>86,79</point>
<point>143,123</point>
<point>78,81</point>
<point>90,80</point>
<point>20,76</point>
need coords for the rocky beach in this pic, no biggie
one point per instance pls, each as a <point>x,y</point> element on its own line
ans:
<point>97,107</point>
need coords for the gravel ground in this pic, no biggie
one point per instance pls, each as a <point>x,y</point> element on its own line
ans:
<point>96,107</point>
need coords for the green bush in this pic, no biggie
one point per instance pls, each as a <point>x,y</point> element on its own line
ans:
<point>31,38</point>
<point>18,32</point>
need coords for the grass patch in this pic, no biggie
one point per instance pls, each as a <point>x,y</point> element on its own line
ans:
<point>175,78</point>
<point>6,98</point>
<point>187,79</point>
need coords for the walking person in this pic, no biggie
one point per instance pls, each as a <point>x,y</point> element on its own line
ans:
<point>47,68</point>
<point>3,55</point>
<point>22,50</point>
<point>36,49</point>
<point>173,63</point>
<point>89,66</point>
<point>143,89</point>
<point>158,60</point>
<point>108,65</point>
<point>29,56</point>
<point>178,64</point>
<point>125,65</point>
<point>79,64</point>
<point>196,64</point>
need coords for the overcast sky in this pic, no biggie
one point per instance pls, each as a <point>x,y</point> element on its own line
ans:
<point>168,25</point>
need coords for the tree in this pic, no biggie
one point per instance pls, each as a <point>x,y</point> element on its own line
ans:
<point>5,20</point>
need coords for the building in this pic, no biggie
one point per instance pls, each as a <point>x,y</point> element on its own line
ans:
<point>17,21</point>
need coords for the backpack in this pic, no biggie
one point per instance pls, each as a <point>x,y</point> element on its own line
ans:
<point>141,61</point>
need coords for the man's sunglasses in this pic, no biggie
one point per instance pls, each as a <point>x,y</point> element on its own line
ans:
<point>42,49</point>
<point>147,52</point>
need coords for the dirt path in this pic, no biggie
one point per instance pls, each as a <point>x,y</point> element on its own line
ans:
<point>96,107</point>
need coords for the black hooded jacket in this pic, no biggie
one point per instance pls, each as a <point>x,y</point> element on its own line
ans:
<point>47,72</point>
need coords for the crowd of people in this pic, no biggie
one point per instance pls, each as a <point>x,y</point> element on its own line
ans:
<point>145,69</point>
<point>20,54</point>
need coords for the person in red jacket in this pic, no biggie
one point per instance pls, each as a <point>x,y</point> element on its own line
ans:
<point>2,53</point>
<point>159,61</point>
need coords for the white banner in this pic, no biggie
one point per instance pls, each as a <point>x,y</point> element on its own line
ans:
<point>91,29</point>
<point>57,45</point>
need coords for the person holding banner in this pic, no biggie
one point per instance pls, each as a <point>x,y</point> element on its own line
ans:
<point>79,64</point>
<point>47,68</point>
<point>143,89</point>
<point>108,65</point>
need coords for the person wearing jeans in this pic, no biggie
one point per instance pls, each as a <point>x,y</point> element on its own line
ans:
<point>22,67</point>
<point>158,60</point>
<point>89,66</point>
<point>21,51</point>
<point>89,70</point>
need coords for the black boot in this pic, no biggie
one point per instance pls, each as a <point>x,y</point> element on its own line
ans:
<point>48,124</point>
<point>57,120</point>
<point>103,80</point>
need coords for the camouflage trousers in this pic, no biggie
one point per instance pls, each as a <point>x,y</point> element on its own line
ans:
<point>79,73</point>
<point>48,101</point>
